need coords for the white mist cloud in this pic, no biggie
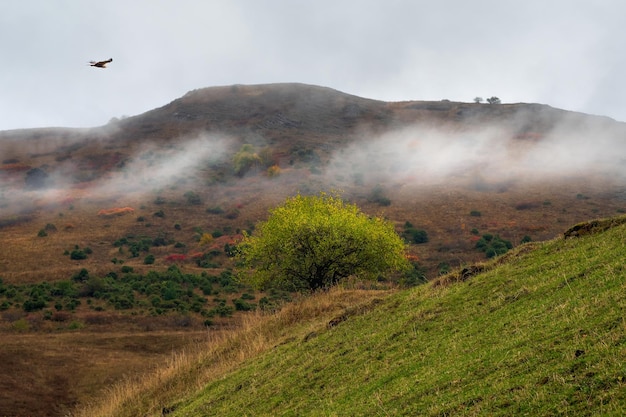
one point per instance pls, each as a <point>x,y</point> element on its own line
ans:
<point>492,154</point>
<point>480,157</point>
<point>157,167</point>
<point>151,168</point>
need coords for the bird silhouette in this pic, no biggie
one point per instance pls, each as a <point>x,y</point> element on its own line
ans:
<point>100,64</point>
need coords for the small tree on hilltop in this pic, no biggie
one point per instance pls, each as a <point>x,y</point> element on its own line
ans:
<point>313,242</point>
<point>493,100</point>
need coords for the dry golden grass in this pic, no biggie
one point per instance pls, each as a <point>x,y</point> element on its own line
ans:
<point>47,374</point>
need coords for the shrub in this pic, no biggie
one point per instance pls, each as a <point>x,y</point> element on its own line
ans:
<point>223,310</point>
<point>245,159</point>
<point>232,213</point>
<point>493,245</point>
<point>215,210</point>
<point>42,233</point>
<point>36,178</point>
<point>34,303</point>
<point>416,275</point>
<point>78,255</point>
<point>527,205</point>
<point>475,213</point>
<point>176,258</point>
<point>75,325</point>
<point>205,239</point>
<point>306,155</point>
<point>230,250</point>
<point>160,241</point>
<point>122,302</point>
<point>94,287</point>
<point>21,325</point>
<point>314,242</point>
<point>273,171</point>
<point>64,289</point>
<point>242,305</point>
<point>148,260</point>
<point>416,235</point>
<point>81,276</point>
<point>193,198</point>
<point>72,304</point>
<point>207,288</point>
<point>377,195</point>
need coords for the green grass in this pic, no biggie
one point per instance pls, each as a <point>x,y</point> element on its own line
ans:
<point>543,333</point>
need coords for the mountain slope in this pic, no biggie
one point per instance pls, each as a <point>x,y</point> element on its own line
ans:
<point>541,334</point>
<point>527,170</point>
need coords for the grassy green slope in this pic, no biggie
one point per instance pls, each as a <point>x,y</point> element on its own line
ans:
<point>543,334</point>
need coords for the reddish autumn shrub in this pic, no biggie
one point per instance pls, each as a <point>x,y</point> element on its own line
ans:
<point>176,257</point>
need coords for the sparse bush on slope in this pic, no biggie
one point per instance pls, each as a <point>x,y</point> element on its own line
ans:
<point>493,245</point>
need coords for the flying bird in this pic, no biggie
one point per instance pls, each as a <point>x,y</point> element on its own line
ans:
<point>100,64</point>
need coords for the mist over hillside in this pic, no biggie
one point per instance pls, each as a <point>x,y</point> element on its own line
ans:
<point>350,141</point>
<point>529,169</point>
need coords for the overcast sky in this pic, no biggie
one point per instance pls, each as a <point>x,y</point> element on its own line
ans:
<point>570,54</point>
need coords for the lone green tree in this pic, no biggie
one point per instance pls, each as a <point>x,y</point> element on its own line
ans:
<point>313,242</point>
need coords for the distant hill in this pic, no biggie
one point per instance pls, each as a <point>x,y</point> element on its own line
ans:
<point>454,170</point>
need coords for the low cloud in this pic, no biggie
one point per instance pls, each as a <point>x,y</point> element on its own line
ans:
<point>151,168</point>
<point>157,167</point>
<point>493,154</point>
<point>482,157</point>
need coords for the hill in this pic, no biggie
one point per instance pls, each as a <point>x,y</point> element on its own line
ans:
<point>117,239</point>
<point>517,170</point>
<point>539,332</point>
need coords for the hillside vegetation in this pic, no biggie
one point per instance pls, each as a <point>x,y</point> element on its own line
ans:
<point>541,331</point>
<point>118,240</point>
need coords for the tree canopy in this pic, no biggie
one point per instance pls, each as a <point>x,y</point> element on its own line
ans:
<point>313,242</point>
